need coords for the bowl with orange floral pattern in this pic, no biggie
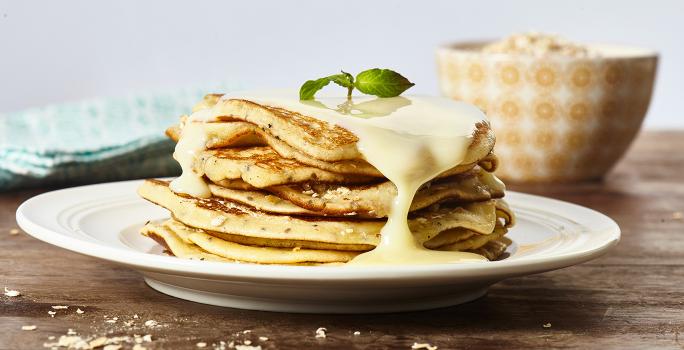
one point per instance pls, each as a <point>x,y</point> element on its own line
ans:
<point>559,116</point>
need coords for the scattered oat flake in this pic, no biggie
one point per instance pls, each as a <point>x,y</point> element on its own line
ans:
<point>70,331</point>
<point>139,347</point>
<point>320,332</point>
<point>201,344</point>
<point>72,342</point>
<point>14,231</point>
<point>263,338</point>
<point>28,328</point>
<point>547,325</point>
<point>678,215</point>
<point>247,347</point>
<point>52,313</point>
<point>423,346</point>
<point>247,342</point>
<point>60,307</point>
<point>135,316</point>
<point>12,293</point>
<point>101,341</point>
<point>247,331</point>
<point>147,338</point>
<point>112,347</point>
<point>151,323</point>
<point>357,333</point>
<point>79,311</point>
<point>51,337</point>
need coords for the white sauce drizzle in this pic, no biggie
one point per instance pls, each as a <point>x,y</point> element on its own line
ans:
<point>410,140</point>
<point>192,141</point>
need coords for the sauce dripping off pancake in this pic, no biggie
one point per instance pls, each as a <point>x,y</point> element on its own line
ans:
<point>192,141</point>
<point>410,140</point>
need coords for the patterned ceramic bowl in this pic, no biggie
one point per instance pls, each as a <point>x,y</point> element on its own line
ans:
<point>557,118</point>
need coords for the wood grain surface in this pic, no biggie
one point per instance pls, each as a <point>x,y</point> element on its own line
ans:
<point>632,298</point>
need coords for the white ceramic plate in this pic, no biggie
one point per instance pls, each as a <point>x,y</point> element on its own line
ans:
<point>103,221</point>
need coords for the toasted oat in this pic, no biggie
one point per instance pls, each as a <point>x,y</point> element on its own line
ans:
<point>101,341</point>
<point>139,347</point>
<point>357,333</point>
<point>14,231</point>
<point>423,346</point>
<point>12,293</point>
<point>201,344</point>
<point>247,347</point>
<point>28,328</point>
<point>321,332</point>
<point>79,311</point>
<point>263,338</point>
<point>60,307</point>
<point>678,215</point>
<point>547,325</point>
<point>537,44</point>
<point>71,342</point>
<point>52,313</point>
<point>150,323</point>
<point>112,347</point>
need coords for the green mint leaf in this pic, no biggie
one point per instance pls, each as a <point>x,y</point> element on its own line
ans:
<point>311,87</point>
<point>344,80</point>
<point>382,82</point>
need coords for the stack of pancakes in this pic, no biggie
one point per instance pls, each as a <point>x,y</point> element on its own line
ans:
<point>292,189</point>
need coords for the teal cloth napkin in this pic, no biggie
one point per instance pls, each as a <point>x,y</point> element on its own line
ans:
<point>92,141</point>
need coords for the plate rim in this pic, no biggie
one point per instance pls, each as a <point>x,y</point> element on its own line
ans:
<point>321,274</point>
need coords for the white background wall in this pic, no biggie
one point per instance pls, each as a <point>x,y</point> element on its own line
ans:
<point>55,51</point>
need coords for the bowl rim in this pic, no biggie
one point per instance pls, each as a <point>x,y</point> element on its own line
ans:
<point>471,47</point>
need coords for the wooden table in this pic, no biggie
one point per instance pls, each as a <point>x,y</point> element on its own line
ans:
<point>631,298</point>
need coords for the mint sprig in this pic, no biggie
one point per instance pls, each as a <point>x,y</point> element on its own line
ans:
<point>376,81</point>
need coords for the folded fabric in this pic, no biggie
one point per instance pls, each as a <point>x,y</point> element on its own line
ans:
<point>92,141</point>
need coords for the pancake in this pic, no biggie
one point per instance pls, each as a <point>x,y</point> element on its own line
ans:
<point>228,135</point>
<point>190,243</point>
<point>260,200</point>
<point>224,216</point>
<point>177,246</point>
<point>262,167</point>
<point>241,134</point>
<point>376,200</point>
<point>365,201</point>
<point>169,234</point>
<point>473,241</point>
<point>494,249</point>
<point>317,138</point>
